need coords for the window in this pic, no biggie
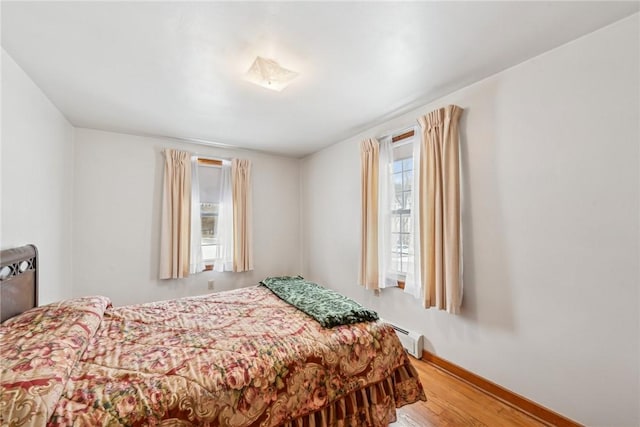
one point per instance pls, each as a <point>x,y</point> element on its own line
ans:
<point>209,181</point>
<point>401,213</point>
<point>402,201</point>
<point>209,221</point>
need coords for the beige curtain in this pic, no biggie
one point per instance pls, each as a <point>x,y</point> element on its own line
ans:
<point>369,155</point>
<point>439,199</point>
<point>176,214</point>
<point>242,233</point>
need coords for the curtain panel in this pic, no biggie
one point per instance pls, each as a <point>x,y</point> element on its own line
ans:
<point>369,157</point>
<point>439,210</point>
<point>196,264</point>
<point>413,281</point>
<point>386,196</point>
<point>225,220</point>
<point>242,215</point>
<point>175,235</point>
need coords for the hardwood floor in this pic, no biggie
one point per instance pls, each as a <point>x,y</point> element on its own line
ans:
<point>453,402</point>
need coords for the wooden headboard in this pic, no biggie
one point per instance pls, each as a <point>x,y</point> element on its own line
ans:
<point>18,280</point>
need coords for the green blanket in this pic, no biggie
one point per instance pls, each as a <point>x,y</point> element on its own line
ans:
<point>328,307</point>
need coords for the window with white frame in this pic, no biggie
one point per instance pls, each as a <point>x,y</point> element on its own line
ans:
<point>402,202</point>
<point>209,180</point>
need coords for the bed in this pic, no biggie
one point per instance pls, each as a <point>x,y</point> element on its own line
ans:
<point>235,358</point>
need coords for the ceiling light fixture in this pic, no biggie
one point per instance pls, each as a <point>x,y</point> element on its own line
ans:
<point>268,73</point>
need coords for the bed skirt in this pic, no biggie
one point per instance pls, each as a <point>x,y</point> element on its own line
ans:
<point>371,406</point>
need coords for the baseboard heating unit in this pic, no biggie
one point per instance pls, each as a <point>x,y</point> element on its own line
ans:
<point>411,341</point>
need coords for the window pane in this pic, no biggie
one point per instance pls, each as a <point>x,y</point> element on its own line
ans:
<point>396,203</point>
<point>399,247</point>
<point>406,222</point>
<point>407,200</point>
<point>397,182</point>
<point>397,166</point>
<point>396,262</point>
<point>209,220</point>
<point>404,262</point>
<point>209,208</point>
<point>407,164</point>
<point>408,180</point>
<point>208,227</point>
<point>395,223</point>
<point>210,252</point>
<point>408,225</point>
<point>396,239</point>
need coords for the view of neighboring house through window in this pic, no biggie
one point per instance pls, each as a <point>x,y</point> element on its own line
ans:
<point>401,227</point>
<point>209,177</point>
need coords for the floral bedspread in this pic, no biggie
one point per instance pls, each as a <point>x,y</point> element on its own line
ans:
<point>38,351</point>
<point>237,358</point>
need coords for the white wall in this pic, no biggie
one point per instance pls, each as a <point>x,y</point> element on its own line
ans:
<point>36,179</point>
<point>117,196</point>
<point>550,229</point>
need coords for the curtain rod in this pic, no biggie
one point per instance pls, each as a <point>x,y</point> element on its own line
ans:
<point>215,159</point>
<point>205,161</point>
<point>397,131</point>
<point>199,156</point>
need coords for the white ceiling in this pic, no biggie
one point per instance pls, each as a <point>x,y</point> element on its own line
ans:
<point>176,69</point>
